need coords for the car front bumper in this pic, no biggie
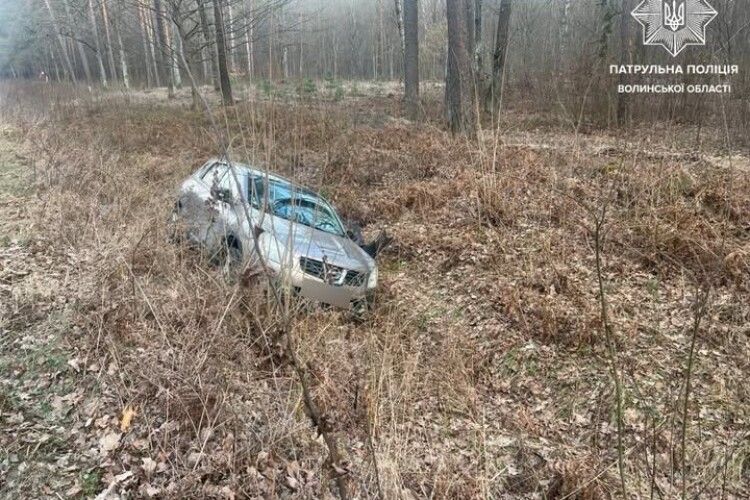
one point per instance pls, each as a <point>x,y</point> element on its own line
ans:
<point>315,289</point>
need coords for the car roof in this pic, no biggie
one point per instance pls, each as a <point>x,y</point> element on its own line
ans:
<point>253,172</point>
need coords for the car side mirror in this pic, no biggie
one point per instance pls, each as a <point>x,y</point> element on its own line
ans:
<point>354,232</point>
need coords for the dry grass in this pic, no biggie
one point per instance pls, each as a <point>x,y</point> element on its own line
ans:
<point>482,370</point>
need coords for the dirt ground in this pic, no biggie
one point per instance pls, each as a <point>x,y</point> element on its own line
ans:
<point>131,370</point>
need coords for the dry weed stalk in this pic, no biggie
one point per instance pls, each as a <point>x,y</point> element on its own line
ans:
<point>699,312</point>
<point>599,220</point>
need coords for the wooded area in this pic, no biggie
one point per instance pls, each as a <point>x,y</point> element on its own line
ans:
<point>387,249</point>
<point>550,56</point>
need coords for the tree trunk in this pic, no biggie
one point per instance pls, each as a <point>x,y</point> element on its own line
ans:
<point>226,86</point>
<point>54,62</point>
<point>95,30</point>
<point>183,58</point>
<point>204,52</point>
<point>335,56</point>
<point>78,43</point>
<point>478,40</point>
<point>564,36</point>
<point>460,96</point>
<point>175,49</point>
<point>121,47</point>
<point>285,62</point>
<point>271,38</point>
<point>607,15</point>
<point>229,30</point>
<point>411,57</point>
<point>148,54</point>
<point>623,101</point>
<point>156,53</point>
<point>209,43</point>
<point>66,57</point>
<point>380,46</point>
<point>400,21</point>
<point>499,55</point>
<point>301,48</point>
<point>165,50</point>
<point>249,36</point>
<point>469,6</point>
<point>108,37</point>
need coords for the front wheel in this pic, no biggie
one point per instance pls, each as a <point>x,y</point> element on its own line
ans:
<point>360,309</point>
<point>228,258</point>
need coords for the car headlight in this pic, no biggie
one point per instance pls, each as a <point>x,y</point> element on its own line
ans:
<point>372,280</point>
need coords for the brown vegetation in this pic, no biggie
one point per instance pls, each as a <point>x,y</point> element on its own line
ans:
<point>481,372</point>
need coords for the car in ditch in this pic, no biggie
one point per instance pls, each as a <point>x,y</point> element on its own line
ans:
<point>248,217</point>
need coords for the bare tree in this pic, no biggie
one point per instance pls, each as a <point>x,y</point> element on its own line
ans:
<point>174,48</point>
<point>108,37</point>
<point>156,53</point>
<point>460,95</point>
<point>564,34</point>
<point>478,38</point>
<point>121,48</point>
<point>411,56</point>
<point>78,42</point>
<point>623,102</point>
<point>221,49</point>
<point>209,44</point>
<point>66,57</point>
<point>95,30</point>
<point>400,25</point>
<point>499,55</point>
<point>164,47</point>
<point>249,4</point>
<point>152,78</point>
<point>229,32</point>
<point>379,52</point>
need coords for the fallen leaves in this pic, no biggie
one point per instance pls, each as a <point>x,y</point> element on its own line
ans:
<point>148,466</point>
<point>108,493</point>
<point>127,418</point>
<point>109,442</point>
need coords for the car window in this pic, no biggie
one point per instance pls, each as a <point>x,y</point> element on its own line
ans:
<point>227,180</point>
<point>294,204</point>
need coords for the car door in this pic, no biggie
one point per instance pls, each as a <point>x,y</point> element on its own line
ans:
<point>212,206</point>
<point>195,206</point>
<point>215,199</point>
<point>225,190</point>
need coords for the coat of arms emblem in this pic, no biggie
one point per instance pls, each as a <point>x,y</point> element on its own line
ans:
<point>674,24</point>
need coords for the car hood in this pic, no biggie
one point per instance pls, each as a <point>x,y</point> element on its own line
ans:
<point>315,244</point>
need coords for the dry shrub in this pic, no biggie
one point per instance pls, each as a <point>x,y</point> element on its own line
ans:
<point>566,320</point>
<point>577,479</point>
<point>422,198</point>
<point>521,186</point>
<point>691,217</point>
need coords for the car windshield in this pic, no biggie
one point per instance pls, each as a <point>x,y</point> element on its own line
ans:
<point>294,204</point>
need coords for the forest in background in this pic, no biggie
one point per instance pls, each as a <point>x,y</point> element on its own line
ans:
<point>552,56</point>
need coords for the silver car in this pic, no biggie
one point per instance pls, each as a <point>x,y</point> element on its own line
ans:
<point>300,237</point>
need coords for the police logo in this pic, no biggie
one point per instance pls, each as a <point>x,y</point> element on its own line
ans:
<point>674,24</point>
